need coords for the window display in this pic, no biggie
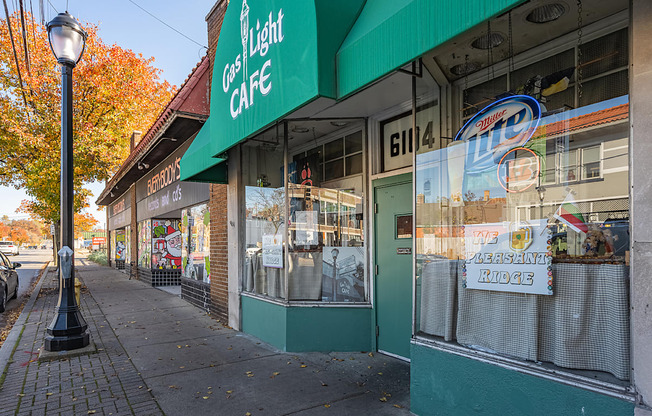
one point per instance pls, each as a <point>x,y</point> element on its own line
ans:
<point>166,244</point>
<point>195,252</point>
<point>145,244</point>
<point>522,214</point>
<point>318,254</point>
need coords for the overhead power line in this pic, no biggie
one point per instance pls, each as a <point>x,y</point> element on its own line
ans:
<point>182,34</point>
<point>13,46</point>
<point>24,29</point>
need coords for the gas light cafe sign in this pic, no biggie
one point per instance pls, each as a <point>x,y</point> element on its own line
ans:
<point>508,256</point>
<point>244,84</point>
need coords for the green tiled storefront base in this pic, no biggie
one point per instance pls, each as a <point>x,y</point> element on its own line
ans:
<point>447,384</point>
<point>296,329</point>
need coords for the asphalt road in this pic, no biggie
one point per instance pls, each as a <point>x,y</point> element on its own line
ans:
<point>32,261</point>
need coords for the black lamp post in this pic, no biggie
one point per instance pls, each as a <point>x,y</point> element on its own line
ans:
<point>68,330</point>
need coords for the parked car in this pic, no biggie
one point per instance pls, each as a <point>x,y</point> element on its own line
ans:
<point>8,281</point>
<point>8,247</point>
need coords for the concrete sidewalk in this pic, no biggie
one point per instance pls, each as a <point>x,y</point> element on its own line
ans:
<point>157,354</point>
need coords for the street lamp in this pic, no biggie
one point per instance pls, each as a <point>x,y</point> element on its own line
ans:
<point>68,330</point>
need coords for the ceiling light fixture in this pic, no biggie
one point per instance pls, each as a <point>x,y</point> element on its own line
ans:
<point>298,129</point>
<point>487,41</point>
<point>339,123</point>
<point>465,68</point>
<point>546,13</point>
<point>142,166</point>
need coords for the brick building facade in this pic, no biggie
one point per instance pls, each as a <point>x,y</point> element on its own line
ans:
<point>218,194</point>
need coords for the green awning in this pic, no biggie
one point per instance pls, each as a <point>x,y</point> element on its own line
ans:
<point>391,33</point>
<point>197,165</point>
<point>272,58</point>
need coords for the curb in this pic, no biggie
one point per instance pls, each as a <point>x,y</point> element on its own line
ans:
<point>8,347</point>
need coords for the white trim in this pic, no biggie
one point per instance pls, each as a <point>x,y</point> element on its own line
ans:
<point>306,304</point>
<point>399,357</point>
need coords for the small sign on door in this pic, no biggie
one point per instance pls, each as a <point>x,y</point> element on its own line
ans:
<point>404,250</point>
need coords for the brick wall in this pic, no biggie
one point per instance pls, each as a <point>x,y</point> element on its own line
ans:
<point>133,270</point>
<point>214,23</point>
<point>218,195</point>
<point>219,252</point>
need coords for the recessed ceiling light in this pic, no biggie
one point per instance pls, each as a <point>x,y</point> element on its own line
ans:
<point>339,123</point>
<point>546,13</point>
<point>298,129</point>
<point>465,68</point>
<point>490,40</point>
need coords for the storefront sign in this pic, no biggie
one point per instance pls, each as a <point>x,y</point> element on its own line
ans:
<point>120,211</point>
<point>498,128</point>
<point>397,137</point>
<point>254,83</point>
<point>160,191</point>
<point>165,175</point>
<point>273,251</point>
<point>508,257</point>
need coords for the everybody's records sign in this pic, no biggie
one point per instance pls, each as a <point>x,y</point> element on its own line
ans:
<point>508,257</point>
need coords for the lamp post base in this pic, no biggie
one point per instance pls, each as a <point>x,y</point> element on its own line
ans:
<point>68,330</point>
<point>67,343</point>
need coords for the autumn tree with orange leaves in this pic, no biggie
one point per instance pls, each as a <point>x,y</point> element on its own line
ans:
<point>115,92</point>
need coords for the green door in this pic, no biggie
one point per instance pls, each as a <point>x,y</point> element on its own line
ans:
<point>393,256</point>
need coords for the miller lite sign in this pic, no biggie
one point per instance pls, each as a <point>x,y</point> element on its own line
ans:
<point>489,135</point>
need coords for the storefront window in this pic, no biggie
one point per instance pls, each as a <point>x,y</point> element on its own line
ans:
<point>195,252</point>
<point>127,244</point>
<point>523,238</point>
<point>264,217</point>
<point>145,244</point>
<point>112,236</point>
<point>322,250</point>
<point>166,244</point>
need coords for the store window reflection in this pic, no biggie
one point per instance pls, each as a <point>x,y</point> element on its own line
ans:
<point>523,214</point>
<point>318,253</point>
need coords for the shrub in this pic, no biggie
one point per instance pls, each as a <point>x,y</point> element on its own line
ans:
<point>98,257</point>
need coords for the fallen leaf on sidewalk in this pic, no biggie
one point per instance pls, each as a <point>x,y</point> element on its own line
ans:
<point>91,412</point>
<point>383,399</point>
<point>49,394</point>
<point>327,406</point>
<point>371,354</point>
<point>398,406</point>
<point>247,414</point>
<point>303,366</point>
<point>205,397</point>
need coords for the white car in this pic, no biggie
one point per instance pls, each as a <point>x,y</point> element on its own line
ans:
<point>9,248</point>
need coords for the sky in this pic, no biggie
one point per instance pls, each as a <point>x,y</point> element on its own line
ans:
<point>126,24</point>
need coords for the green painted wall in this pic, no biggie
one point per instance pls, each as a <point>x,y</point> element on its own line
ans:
<point>329,329</point>
<point>447,384</point>
<point>264,320</point>
<point>296,329</point>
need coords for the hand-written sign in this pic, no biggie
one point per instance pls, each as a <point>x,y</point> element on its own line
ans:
<point>508,257</point>
<point>273,250</point>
